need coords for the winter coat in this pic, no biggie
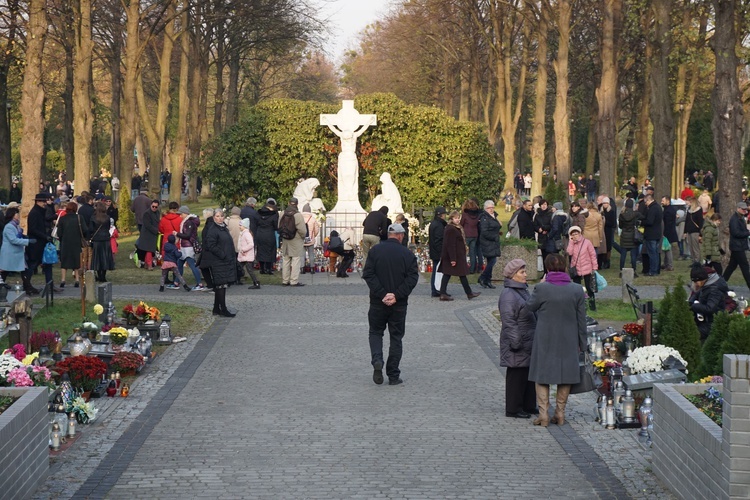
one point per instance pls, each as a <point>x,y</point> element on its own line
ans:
<point>246,247</point>
<point>376,224</point>
<point>489,235</point>
<point>188,231</point>
<point>171,254</point>
<point>704,200</point>
<point>542,226</point>
<point>693,220</point>
<point>560,333</point>
<point>265,235</point>
<point>558,230</point>
<point>628,225</point>
<point>669,217</point>
<point>69,233</point>
<point>470,222</point>
<point>593,229</point>
<point>12,252</point>
<point>86,211</point>
<point>652,224</point>
<point>711,299</point>
<point>525,225</point>
<point>390,268</point>
<point>36,228</point>
<point>579,219</point>
<point>710,244</point>
<point>454,250</point>
<point>518,324</point>
<point>313,228</point>
<point>169,222</point>
<point>738,233</point>
<point>218,255</point>
<point>141,205</point>
<point>149,231</point>
<point>436,232</point>
<point>591,185</point>
<point>233,224</point>
<point>583,258</point>
<point>295,246</point>
<point>249,212</point>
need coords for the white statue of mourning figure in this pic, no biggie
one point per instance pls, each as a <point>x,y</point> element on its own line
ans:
<point>305,194</point>
<point>389,197</point>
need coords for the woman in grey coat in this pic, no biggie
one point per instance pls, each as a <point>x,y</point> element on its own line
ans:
<point>516,338</point>
<point>560,335</point>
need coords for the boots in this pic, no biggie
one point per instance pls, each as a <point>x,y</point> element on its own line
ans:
<point>592,304</point>
<point>542,400</point>
<point>256,286</point>
<point>563,391</point>
<point>221,297</point>
<point>27,287</point>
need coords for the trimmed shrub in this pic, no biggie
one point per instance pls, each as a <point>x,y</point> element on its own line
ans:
<point>680,330</point>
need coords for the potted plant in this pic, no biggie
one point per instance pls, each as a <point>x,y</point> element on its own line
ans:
<point>127,363</point>
<point>117,337</point>
<point>141,312</point>
<point>84,372</point>
<point>39,339</point>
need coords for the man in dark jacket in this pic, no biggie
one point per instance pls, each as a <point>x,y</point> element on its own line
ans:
<point>437,228</point>
<point>708,297</point>
<point>140,206</point>
<point>391,274</point>
<point>375,230</point>
<point>525,221</point>
<point>147,240</point>
<point>738,234</point>
<point>669,218</point>
<point>249,212</point>
<point>652,233</point>
<point>37,231</point>
<point>591,188</point>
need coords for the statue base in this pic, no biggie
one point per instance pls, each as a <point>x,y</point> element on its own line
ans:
<point>346,214</point>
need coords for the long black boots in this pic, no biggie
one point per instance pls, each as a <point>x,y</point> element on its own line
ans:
<point>220,303</point>
<point>27,287</point>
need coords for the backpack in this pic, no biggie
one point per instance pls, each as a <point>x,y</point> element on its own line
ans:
<point>287,227</point>
<point>335,245</point>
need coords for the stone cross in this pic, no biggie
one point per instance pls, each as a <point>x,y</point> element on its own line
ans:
<point>348,124</point>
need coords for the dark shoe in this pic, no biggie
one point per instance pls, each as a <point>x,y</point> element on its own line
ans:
<point>377,374</point>
<point>285,284</point>
<point>535,411</point>
<point>76,284</point>
<point>481,283</point>
<point>520,414</point>
<point>489,284</point>
<point>186,287</point>
<point>62,284</point>
<point>161,288</point>
<point>445,297</point>
<point>256,286</point>
<point>395,381</point>
<point>436,295</point>
<point>227,314</point>
<point>216,312</point>
<point>473,295</point>
<point>302,284</point>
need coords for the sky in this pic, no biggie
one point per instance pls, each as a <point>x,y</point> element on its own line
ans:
<point>347,19</point>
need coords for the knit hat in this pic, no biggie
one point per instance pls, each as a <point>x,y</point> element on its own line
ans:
<point>184,210</point>
<point>512,267</point>
<point>171,238</point>
<point>742,205</point>
<point>271,201</point>
<point>574,228</point>
<point>698,273</point>
<point>293,201</point>
<point>235,211</point>
<point>558,205</point>
<point>245,223</point>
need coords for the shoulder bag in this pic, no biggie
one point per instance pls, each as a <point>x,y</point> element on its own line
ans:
<point>574,269</point>
<point>84,242</point>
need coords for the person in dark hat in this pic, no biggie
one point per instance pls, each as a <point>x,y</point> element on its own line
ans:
<point>265,236</point>
<point>436,231</point>
<point>708,297</point>
<point>36,228</point>
<point>738,245</point>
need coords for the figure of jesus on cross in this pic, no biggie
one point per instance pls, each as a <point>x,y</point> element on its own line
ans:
<point>348,125</point>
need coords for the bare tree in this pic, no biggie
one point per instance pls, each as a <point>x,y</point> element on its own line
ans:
<point>83,115</point>
<point>9,27</point>
<point>607,97</point>
<point>661,100</point>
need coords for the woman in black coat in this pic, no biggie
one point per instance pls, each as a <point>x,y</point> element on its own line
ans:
<point>489,242</point>
<point>516,339</point>
<point>147,240</point>
<point>542,226</point>
<point>453,257</point>
<point>102,259</point>
<point>628,226</point>
<point>70,230</point>
<point>265,237</point>
<point>219,260</point>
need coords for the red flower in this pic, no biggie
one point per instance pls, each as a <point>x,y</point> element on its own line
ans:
<point>83,371</point>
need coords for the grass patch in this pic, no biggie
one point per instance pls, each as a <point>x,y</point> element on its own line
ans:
<point>5,402</point>
<point>615,310</point>
<point>67,312</point>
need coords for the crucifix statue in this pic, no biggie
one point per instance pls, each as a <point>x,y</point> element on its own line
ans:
<point>348,124</point>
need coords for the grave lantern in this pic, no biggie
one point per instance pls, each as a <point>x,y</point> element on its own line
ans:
<point>165,329</point>
<point>71,425</point>
<point>643,412</point>
<point>55,439</point>
<point>628,407</point>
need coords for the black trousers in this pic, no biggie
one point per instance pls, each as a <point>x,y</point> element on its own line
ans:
<point>520,392</point>
<point>738,258</point>
<point>346,260</point>
<point>446,279</point>
<point>394,317</point>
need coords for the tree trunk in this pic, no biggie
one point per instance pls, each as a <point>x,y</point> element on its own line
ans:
<point>83,115</point>
<point>7,59</point>
<point>67,140</point>
<point>179,149</point>
<point>606,98</point>
<point>32,105</point>
<point>220,62</point>
<point>115,150</point>
<point>233,94</point>
<point>591,144</point>
<point>560,116</point>
<point>539,138</point>
<point>129,99</point>
<point>643,135</point>
<point>727,121</point>
<point>661,109</point>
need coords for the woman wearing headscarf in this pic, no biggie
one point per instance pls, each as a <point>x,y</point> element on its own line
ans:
<point>218,259</point>
<point>559,336</point>
<point>265,236</point>
<point>516,339</point>
<point>101,249</point>
<point>453,257</point>
<point>70,230</point>
<point>246,254</point>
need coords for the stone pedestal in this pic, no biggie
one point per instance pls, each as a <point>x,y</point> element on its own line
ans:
<point>103,297</point>
<point>90,286</point>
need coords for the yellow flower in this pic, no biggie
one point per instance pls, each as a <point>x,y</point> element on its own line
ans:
<point>30,358</point>
<point>98,309</point>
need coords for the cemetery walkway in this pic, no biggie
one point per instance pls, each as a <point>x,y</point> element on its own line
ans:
<point>279,403</point>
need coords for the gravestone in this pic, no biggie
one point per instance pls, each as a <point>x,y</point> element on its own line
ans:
<point>104,297</point>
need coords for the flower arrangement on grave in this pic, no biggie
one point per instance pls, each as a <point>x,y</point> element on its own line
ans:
<point>30,376</point>
<point>118,335</point>
<point>126,361</point>
<point>649,358</point>
<point>84,372</point>
<point>84,412</point>
<point>710,403</point>
<point>634,329</point>
<point>39,339</point>
<point>603,365</point>
<point>7,363</point>
<point>18,351</point>
<point>141,312</point>
<point>711,379</point>
<point>88,328</point>
<point>98,309</point>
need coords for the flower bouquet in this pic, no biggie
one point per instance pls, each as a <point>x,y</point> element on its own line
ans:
<point>711,403</point>
<point>125,362</point>
<point>8,362</point>
<point>84,372</point>
<point>634,329</point>
<point>18,351</point>
<point>141,312</point>
<point>30,376</point>
<point>603,365</point>
<point>39,339</point>
<point>649,358</point>
<point>83,411</point>
<point>118,335</point>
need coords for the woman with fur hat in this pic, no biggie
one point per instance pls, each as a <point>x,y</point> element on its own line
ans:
<point>516,339</point>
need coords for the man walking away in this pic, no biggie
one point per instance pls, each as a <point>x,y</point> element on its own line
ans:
<point>375,230</point>
<point>738,234</point>
<point>391,274</point>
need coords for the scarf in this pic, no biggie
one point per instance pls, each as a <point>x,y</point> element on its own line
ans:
<point>557,278</point>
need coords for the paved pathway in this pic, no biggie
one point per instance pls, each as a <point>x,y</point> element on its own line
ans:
<point>279,403</point>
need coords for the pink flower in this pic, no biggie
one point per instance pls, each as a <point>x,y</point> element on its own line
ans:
<point>18,377</point>
<point>43,371</point>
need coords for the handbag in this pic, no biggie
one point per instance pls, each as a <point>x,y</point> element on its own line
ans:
<point>50,254</point>
<point>590,377</point>
<point>573,269</point>
<point>638,235</point>
<point>84,242</point>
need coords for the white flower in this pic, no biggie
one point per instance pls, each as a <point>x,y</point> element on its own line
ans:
<point>7,363</point>
<point>649,358</point>
<point>732,294</point>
